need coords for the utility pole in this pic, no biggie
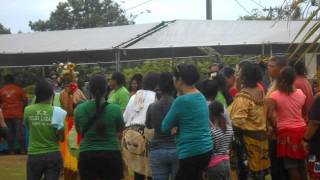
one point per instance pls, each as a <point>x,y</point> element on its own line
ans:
<point>209,9</point>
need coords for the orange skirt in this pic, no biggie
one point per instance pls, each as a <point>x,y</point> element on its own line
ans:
<point>70,161</point>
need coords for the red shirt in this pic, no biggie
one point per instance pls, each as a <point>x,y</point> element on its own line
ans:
<point>303,84</point>
<point>12,100</point>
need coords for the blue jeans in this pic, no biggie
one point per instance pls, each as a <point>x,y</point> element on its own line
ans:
<point>164,163</point>
<point>47,165</point>
<point>16,135</point>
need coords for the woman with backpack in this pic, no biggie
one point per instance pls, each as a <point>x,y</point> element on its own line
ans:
<point>136,137</point>
<point>99,123</point>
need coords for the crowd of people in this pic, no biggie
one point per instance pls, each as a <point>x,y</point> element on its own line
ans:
<point>170,125</point>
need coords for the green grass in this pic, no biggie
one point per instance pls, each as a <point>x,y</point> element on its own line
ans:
<point>12,167</point>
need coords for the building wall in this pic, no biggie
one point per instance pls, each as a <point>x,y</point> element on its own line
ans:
<point>312,64</point>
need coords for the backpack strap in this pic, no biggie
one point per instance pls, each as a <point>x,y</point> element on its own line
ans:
<point>92,120</point>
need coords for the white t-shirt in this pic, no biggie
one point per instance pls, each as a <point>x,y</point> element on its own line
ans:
<point>136,110</point>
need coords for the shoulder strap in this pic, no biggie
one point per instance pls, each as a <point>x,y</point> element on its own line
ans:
<point>92,120</point>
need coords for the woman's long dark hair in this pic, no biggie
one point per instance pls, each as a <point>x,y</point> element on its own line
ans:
<point>286,80</point>
<point>209,89</point>
<point>98,89</point>
<point>216,114</point>
<point>138,78</point>
<point>222,86</point>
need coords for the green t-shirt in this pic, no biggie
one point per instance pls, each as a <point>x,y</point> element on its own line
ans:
<point>120,97</point>
<point>113,120</point>
<point>42,135</point>
<point>221,99</point>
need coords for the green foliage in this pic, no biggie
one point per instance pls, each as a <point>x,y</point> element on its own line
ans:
<point>86,71</point>
<point>166,65</point>
<point>23,76</point>
<point>231,60</point>
<point>29,75</point>
<point>256,14</point>
<point>4,30</point>
<point>279,13</point>
<point>148,66</point>
<point>78,14</point>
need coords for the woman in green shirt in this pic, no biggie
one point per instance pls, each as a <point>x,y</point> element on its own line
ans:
<point>99,123</point>
<point>119,94</point>
<point>44,155</point>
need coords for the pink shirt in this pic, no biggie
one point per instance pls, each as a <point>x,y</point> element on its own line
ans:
<point>289,109</point>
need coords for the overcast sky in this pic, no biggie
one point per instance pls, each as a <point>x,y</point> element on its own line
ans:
<point>16,14</point>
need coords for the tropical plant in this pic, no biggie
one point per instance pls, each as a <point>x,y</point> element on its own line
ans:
<point>309,32</point>
<point>4,30</point>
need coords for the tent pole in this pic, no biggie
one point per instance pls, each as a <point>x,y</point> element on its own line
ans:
<point>43,72</point>
<point>172,57</point>
<point>117,55</point>
<point>271,52</point>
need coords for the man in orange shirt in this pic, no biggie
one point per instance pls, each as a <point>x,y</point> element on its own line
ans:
<point>302,83</point>
<point>13,99</point>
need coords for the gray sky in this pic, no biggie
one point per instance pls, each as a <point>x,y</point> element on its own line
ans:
<point>16,14</point>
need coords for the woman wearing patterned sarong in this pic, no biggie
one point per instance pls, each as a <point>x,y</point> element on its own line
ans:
<point>249,120</point>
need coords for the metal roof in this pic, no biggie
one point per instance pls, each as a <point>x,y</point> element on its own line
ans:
<point>199,33</point>
<point>71,40</point>
<point>180,33</point>
<point>178,38</point>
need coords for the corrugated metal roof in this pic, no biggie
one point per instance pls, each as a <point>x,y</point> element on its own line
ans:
<point>191,33</point>
<point>71,40</point>
<point>180,33</point>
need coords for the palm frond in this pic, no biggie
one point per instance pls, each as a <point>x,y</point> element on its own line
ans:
<point>310,47</point>
<point>309,19</point>
<point>306,37</point>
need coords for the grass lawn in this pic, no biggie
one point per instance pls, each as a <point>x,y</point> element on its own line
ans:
<point>12,167</point>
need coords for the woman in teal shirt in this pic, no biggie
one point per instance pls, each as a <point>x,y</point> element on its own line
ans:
<point>188,118</point>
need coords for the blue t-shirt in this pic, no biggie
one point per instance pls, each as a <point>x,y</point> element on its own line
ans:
<point>191,115</point>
